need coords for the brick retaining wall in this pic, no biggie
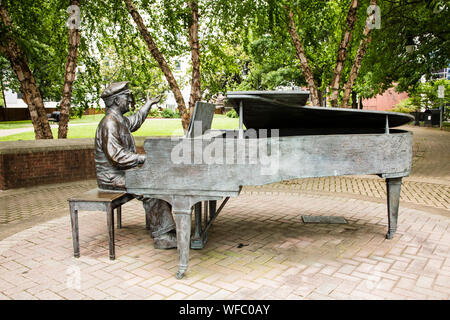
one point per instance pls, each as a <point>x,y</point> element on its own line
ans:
<point>36,162</point>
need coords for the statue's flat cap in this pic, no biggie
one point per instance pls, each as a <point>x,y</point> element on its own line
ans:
<point>115,88</point>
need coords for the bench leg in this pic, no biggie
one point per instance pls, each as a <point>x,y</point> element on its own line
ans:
<point>119,217</point>
<point>74,223</point>
<point>110,221</point>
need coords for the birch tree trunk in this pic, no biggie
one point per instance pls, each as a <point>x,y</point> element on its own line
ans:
<point>303,59</point>
<point>355,68</point>
<point>69,76</point>
<point>360,53</point>
<point>28,86</point>
<point>342,52</point>
<point>196,91</point>
<point>157,55</point>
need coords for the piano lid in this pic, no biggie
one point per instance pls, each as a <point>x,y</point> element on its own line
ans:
<point>286,109</point>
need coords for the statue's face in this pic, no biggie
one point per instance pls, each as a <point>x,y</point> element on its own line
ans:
<point>124,102</point>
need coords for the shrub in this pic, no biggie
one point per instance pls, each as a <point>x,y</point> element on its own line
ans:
<point>75,112</point>
<point>405,106</point>
<point>154,113</point>
<point>232,114</point>
<point>167,113</point>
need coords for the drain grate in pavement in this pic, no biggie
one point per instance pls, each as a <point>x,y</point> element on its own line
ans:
<point>324,219</point>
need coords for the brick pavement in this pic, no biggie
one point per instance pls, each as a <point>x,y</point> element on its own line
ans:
<point>283,257</point>
<point>423,193</point>
<point>431,150</point>
<point>35,201</point>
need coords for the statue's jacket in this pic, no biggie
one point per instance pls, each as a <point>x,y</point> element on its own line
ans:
<point>115,149</point>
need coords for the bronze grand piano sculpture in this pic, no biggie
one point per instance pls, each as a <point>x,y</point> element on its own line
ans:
<point>284,140</point>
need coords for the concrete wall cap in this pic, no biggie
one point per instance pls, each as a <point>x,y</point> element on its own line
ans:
<point>44,145</point>
<point>30,146</point>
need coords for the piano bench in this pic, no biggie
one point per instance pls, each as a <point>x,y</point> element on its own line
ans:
<point>98,200</point>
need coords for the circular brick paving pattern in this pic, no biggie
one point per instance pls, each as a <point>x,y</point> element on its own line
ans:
<point>280,257</point>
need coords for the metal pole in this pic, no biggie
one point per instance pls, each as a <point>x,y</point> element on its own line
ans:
<point>3,115</point>
<point>387,125</point>
<point>241,120</point>
<point>3,88</point>
<point>441,95</point>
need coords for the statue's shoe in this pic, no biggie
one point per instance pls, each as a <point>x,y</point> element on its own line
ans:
<point>166,241</point>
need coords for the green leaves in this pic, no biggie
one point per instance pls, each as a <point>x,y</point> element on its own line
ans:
<point>387,58</point>
<point>40,31</point>
<point>248,35</point>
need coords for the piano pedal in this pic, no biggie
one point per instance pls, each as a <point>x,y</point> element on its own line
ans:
<point>199,242</point>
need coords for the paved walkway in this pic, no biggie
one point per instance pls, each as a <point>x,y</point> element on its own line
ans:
<point>281,257</point>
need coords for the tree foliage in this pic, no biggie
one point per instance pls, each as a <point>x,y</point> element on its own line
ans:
<point>107,39</point>
<point>39,29</point>
<point>387,61</point>
<point>265,48</point>
<point>426,94</point>
<point>243,45</point>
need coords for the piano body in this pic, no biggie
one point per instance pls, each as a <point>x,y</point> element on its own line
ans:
<point>285,140</point>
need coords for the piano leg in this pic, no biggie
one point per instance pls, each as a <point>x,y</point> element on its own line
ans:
<point>182,209</point>
<point>393,186</point>
<point>198,241</point>
<point>183,221</point>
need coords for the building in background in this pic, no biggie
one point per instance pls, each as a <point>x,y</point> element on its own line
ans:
<point>442,74</point>
<point>16,109</point>
<point>15,101</point>
<point>385,101</point>
<point>180,72</point>
<point>390,98</point>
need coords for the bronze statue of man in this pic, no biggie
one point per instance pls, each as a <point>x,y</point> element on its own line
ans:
<point>115,152</point>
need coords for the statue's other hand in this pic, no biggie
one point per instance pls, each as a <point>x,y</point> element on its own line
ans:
<point>141,158</point>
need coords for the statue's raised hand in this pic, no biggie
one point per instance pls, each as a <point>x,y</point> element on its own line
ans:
<point>154,100</point>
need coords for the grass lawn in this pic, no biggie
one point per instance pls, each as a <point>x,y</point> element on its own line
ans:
<point>15,124</point>
<point>88,125</point>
